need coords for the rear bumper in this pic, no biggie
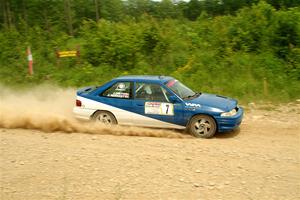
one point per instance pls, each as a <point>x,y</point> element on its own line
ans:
<point>230,123</point>
<point>82,113</point>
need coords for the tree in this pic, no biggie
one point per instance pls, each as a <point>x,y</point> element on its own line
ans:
<point>7,14</point>
<point>193,9</point>
<point>112,10</point>
<point>166,9</point>
<point>278,4</point>
<point>96,10</point>
<point>68,15</point>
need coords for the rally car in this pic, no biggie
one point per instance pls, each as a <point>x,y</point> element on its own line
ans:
<point>158,101</point>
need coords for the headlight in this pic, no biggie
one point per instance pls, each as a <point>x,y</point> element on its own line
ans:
<point>229,114</point>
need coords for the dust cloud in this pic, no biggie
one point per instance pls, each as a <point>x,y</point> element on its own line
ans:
<point>49,109</point>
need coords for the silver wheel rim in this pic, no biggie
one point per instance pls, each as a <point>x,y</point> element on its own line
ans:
<point>104,118</point>
<point>202,126</point>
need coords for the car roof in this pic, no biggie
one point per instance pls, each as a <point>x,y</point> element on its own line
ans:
<point>145,78</point>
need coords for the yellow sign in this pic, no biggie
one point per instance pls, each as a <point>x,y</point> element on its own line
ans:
<point>62,54</point>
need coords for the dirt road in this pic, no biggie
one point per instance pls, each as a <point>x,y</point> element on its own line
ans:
<point>261,161</point>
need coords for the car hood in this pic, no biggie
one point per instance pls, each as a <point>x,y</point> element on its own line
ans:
<point>215,101</point>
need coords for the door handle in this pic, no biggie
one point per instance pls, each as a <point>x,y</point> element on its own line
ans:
<point>139,104</point>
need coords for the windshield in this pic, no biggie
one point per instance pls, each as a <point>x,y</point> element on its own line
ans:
<point>180,89</point>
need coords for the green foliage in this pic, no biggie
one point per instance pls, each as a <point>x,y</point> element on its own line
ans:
<point>251,53</point>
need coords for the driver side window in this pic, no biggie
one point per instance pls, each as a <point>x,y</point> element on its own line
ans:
<point>150,92</point>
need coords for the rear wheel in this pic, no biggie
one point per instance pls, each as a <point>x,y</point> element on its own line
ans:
<point>202,126</point>
<point>104,117</point>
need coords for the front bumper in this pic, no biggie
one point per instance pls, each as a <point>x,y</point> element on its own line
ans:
<point>230,123</point>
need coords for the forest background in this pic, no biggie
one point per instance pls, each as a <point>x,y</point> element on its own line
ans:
<point>247,49</point>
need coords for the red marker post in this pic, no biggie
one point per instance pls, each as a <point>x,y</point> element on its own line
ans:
<point>30,61</point>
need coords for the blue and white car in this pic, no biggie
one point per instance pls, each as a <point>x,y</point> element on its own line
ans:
<point>160,102</point>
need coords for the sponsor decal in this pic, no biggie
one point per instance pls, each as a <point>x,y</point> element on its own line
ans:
<point>119,95</point>
<point>193,105</point>
<point>158,108</point>
<point>171,83</point>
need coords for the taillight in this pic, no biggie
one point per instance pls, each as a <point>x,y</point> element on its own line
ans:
<point>78,102</point>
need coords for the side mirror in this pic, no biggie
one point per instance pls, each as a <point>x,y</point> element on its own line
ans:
<point>174,99</point>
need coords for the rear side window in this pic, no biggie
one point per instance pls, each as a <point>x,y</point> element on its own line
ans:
<point>120,90</point>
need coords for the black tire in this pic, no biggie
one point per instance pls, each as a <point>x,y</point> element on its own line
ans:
<point>202,126</point>
<point>104,117</point>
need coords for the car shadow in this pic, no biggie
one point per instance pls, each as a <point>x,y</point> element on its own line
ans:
<point>229,134</point>
<point>218,135</point>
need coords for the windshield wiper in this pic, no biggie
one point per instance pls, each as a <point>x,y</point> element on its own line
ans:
<point>197,94</point>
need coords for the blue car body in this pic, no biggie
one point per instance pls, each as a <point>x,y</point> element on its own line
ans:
<point>134,109</point>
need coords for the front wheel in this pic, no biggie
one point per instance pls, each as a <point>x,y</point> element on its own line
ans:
<point>104,117</point>
<point>202,126</point>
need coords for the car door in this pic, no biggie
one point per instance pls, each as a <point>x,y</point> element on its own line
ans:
<point>152,103</point>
